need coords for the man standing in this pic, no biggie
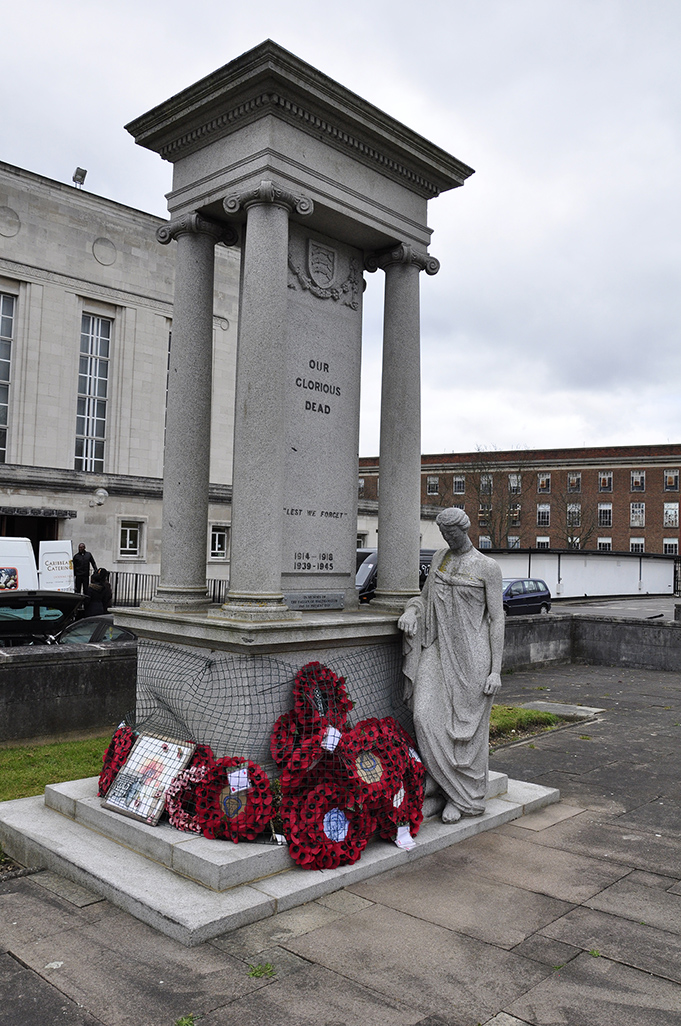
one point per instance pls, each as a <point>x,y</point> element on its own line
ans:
<point>82,561</point>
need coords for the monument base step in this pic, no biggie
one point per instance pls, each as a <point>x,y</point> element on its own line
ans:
<point>193,889</point>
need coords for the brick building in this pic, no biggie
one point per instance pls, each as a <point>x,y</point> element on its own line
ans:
<point>615,498</point>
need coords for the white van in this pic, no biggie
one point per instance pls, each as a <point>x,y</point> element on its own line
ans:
<point>18,571</point>
<point>55,569</point>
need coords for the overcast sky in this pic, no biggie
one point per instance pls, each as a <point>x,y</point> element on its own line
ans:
<point>555,319</point>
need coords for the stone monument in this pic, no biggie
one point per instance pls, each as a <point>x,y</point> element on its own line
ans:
<point>454,644</point>
<point>315,186</point>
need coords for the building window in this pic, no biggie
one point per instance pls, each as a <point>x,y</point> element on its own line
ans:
<point>515,484</point>
<point>219,541</point>
<point>574,482</point>
<point>513,541</point>
<point>459,505</point>
<point>544,483</point>
<point>485,484</point>
<point>670,517</point>
<point>671,480</point>
<point>484,514</point>
<point>605,480</point>
<point>93,382</point>
<point>574,514</point>
<point>670,546</point>
<point>7,309</point>
<point>638,480</point>
<point>514,515</point>
<point>637,517</point>
<point>605,544</point>
<point>543,514</point>
<point>637,544</point>
<point>484,542</point>
<point>605,514</point>
<point>574,543</point>
<point>432,486</point>
<point>458,484</point>
<point>131,539</point>
<point>362,539</point>
<point>360,488</point>
<point>543,543</point>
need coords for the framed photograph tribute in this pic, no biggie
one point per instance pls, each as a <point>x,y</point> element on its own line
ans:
<point>139,787</point>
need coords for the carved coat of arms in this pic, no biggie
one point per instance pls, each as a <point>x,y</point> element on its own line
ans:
<point>321,263</point>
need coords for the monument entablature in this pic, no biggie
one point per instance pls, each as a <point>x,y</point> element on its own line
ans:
<point>270,116</point>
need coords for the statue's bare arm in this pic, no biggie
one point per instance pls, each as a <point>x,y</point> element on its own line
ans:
<point>495,610</point>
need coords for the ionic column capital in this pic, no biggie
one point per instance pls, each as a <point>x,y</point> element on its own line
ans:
<point>197,224</point>
<point>403,253</point>
<point>268,192</point>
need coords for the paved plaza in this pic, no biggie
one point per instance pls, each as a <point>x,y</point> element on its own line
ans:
<point>571,915</point>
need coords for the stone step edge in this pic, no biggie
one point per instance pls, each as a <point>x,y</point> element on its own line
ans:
<point>34,835</point>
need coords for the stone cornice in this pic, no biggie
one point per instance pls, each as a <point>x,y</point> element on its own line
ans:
<point>268,192</point>
<point>197,224</point>
<point>401,254</point>
<point>269,80</point>
<point>14,475</point>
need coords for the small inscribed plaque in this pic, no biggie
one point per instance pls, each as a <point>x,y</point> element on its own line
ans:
<point>140,785</point>
<point>315,599</point>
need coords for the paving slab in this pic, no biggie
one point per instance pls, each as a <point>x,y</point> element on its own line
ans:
<point>312,997</point>
<point>599,992</point>
<point>649,905</point>
<point>421,964</point>
<point>28,912</point>
<point>546,817</point>
<point>621,940</point>
<point>522,863</point>
<point>600,838</point>
<point>73,892</point>
<point>249,941</point>
<point>662,815</point>
<point>28,1000</point>
<point>551,952</point>
<point>490,911</point>
<point>130,973</point>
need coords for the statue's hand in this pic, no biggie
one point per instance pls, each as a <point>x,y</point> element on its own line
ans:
<point>408,623</point>
<point>492,684</point>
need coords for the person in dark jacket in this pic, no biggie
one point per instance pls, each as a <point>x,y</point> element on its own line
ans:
<point>98,594</point>
<point>82,561</point>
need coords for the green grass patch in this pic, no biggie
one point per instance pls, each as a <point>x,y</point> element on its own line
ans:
<point>26,770</point>
<point>507,720</point>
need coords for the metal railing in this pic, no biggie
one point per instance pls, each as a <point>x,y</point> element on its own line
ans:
<point>133,589</point>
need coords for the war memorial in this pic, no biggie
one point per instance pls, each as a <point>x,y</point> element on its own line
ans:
<point>316,187</point>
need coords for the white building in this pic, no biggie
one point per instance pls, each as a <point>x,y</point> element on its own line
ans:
<point>85,325</point>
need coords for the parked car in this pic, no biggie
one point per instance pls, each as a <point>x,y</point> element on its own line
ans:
<point>30,617</point>
<point>92,630</point>
<point>367,571</point>
<point>526,595</point>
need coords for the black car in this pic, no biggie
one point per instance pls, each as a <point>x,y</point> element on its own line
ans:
<point>93,630</point>
<point>526,595</point>
<point>367,571</point>
<point>31,617</point>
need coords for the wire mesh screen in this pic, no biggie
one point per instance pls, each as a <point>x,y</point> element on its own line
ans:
<point>232,702</point>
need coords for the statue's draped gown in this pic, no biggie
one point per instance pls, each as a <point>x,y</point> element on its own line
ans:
<point>446,667</point>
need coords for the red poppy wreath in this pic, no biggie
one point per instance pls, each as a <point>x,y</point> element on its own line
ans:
<point>114,757</point>
<point>296,746</point>
<point>320,697</point>
<point>181,794</point>
<point>374,762</point>
<point>405,806</point>
<point>326,829</point>
<point>233,800</point>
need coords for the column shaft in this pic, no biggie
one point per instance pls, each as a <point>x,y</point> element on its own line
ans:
<point>255,563</point>
<point>187,446</point>
<point>399,500</point>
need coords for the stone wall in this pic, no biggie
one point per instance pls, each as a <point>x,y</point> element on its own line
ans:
<point>50,691</point>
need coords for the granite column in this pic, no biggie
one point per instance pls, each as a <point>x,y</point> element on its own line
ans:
<point>258,470</point>
<point>186,459</point>
<point>399,500</point>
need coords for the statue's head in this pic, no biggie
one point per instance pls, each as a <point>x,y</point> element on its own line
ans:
<point>454,524</point>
